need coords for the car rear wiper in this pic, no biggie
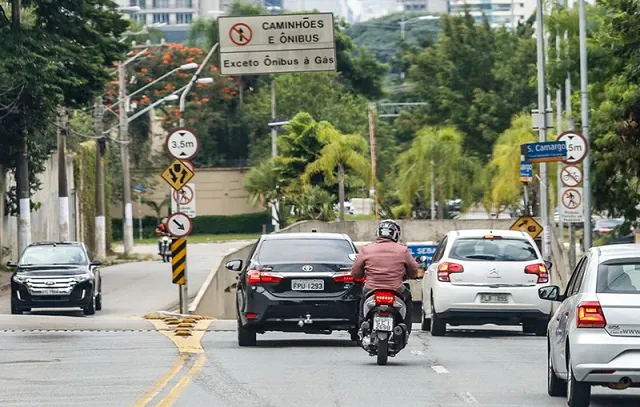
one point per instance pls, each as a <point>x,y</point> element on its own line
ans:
<point>481,257</point>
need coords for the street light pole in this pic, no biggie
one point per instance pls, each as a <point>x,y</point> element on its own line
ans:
<point>542,136</point>
<point>100,231</point>
<point>584,108</point>
<point>124,155</point>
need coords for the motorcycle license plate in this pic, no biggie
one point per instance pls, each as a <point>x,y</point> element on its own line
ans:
<point>383,324</point>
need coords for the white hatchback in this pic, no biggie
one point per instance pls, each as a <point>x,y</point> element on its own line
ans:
<point>482,277</point>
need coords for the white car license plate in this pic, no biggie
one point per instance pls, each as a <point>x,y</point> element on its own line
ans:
<point>49,292</point>
<point>307,285</point>
<point>494,298</point>
<point>383,324</point>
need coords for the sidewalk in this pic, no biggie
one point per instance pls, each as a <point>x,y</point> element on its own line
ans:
<point>5,280</point>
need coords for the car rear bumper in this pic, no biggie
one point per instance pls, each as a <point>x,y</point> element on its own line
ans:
<point>80,297</point>
<point>463,316</point>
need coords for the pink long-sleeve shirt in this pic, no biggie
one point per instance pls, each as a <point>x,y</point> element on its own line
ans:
<point>385,262</point>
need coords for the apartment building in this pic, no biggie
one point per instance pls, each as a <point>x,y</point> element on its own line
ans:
<point>424,6</point>
<point>500,13</point>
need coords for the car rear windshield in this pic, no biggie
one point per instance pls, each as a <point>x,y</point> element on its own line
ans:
<point>621,277</point>
<point>304,250</point>
<point>482,249</point>
<point>52,255</point>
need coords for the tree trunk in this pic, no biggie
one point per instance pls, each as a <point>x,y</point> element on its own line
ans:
<point>341,190</point>
<point>441,203</point>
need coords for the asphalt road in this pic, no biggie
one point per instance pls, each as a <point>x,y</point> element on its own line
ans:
<point>139,288</point>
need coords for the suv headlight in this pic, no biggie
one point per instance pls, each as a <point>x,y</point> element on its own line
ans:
<point>82,277</point>
<point>20,279</point>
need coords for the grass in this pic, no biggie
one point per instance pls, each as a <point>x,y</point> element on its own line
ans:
<point>359,217</point>
<point>204,238</point>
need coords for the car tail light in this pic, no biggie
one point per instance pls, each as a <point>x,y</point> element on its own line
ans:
<point>259,277</point>
<point>445,269</point>
<point>346,277</point>
<point>590,315</point>
<point>540,270</point>
<point>251,315</point>
<point>384,297</point>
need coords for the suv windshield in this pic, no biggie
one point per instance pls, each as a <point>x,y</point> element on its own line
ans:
<point>53,255</point>
<point>621,277</point>
<point>608,223</point>
<point>478,248</point>
<point>304,250</point>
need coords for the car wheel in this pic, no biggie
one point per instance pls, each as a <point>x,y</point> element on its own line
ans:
<point>578,393</point>
<point>438,326</point>
<point>246,335</point>
<point>91,308</point>
<point>425,324</point>
<point>556,387</point>
<point>98,302</point>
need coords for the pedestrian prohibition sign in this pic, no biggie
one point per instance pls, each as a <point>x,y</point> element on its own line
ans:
<point>571,198</point>
<point>240,34</point>
<point>183,196</point>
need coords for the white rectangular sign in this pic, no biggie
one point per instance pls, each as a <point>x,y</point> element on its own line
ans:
<point>277,44</point>
<point>187,199</point>
<point>572,205</point>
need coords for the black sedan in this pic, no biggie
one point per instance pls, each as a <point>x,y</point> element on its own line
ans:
<point>56,275</point>
<point>297,282</point>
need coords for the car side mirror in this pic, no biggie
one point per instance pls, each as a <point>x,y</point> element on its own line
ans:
<point>95,263</point>
<point>550,293</point>
<point>549,264</point>
<point>234,265</point>
<point>422,259</point>
<point>353,256</point>
<point>12,264</point>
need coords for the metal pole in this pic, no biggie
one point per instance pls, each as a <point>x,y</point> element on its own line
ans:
<point>63,190</point>
<point>570,126</point>
<point>433,192</point>
<point>584,107</point>
<point>100,223</point>
<point>127,220</point>
<point>275,219</point>
<point>374,177</point>
<point>559,131</point>
<point>542,110</point>
<point>140,215</point>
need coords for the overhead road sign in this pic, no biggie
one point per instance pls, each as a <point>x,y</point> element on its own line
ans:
<point>177,174</point>
<point>281,43</point>
<point>183,143</point>
<point>548,151</point>
<point>572,205</point>
<point>571,176</point>
<point>179,261</point>
<point>577,146</point>
<point>179,224</point>
<point>184,200</point>
<point>529,225</point>
<point>526,171</point>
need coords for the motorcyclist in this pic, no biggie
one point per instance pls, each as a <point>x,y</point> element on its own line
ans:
<point>162,230</point>
<point>385,262</point>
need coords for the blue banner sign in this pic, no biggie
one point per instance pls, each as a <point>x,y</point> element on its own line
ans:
<point>549,151</point>
<point>526,171</point>
<point>422,250</point>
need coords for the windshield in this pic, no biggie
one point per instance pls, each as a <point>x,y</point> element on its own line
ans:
<point>305,250</point>
<point>493,250</point>
<point>609,223</point>
<point>53,255</point>
<point>623,277</point>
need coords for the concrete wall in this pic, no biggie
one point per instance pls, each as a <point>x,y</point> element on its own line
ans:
<point>44,221</point>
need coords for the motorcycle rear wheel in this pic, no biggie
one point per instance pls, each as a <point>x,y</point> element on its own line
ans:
<point>382,351</point>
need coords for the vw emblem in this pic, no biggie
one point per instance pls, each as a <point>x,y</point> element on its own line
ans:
<point>307,268</point>
<point>49,283</point>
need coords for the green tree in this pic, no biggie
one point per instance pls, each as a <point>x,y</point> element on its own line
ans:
<point>264,187</point>
<point>339,152</point>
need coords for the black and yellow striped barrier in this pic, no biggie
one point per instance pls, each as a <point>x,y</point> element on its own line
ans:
<point>179,260</point>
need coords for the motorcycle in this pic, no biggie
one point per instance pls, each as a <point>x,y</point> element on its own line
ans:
<point>165,248</point>
<point>384,331</point>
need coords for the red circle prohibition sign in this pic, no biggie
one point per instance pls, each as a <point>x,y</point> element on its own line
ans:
<point>240,34</point>
<point>184,197</point>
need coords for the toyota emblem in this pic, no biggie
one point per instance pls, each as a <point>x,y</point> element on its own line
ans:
<point>307,268</point>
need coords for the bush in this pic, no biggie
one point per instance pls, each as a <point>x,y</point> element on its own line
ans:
<point>203,225</point>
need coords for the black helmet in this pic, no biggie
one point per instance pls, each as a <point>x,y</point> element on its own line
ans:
<point>389,229</point>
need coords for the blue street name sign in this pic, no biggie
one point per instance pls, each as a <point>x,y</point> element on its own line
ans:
<point>422,250</point>
<point>549,151</point>
<point>526,171</point>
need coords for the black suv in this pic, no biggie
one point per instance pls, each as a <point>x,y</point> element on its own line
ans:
<point>56,275</point>
<point>297,282</point>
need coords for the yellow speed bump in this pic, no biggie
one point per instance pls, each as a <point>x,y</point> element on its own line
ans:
<point>182,332</point>
<point>185,325</point>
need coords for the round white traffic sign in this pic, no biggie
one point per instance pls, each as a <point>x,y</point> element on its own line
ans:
<point>577,146</point>
<point>571,198</point>
<point>183,143</point>
<point>179,224</point>
<point>571,176</point>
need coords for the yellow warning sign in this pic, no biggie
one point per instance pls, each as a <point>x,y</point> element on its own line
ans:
<point>179,260</point>
<point>527,224</point>
<point>177,174</point>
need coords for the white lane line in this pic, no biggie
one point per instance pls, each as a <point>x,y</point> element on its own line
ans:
<point>417,352</point>
<point>440,369</point>
<point>468,398</point>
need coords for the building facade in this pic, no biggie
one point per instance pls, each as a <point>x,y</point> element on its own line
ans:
<point>500,13</point>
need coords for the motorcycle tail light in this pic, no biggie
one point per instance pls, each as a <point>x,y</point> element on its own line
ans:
<point>384,297</point>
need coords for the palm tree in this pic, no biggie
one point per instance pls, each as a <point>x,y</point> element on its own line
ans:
<point>263,185</point>
<point>339,152</point>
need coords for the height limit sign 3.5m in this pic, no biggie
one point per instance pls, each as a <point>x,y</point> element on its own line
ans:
<point>183,143</point>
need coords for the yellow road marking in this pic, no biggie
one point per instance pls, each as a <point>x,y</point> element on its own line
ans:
<point>162,383</point>
<point>185,344</point>
<point>179,387</point>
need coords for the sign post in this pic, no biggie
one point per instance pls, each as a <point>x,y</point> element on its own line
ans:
<point>182,144</point>
<point>282,43</point>
<point>571,194</point>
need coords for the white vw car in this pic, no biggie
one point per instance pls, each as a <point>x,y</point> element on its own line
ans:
<point>482,277</point>
<point>594,336</point>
